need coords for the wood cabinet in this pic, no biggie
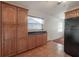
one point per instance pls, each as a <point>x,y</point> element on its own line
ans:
<point>44,41</point>
<point>22,32</point>
<point>21,44</point>
<point>36,40</point>
<point>9,14</point>
<point>22,16</point>
<point>9,29</point>
<point>32,41</point>
<point>72,13</point>
<point>0,29</point>
<point>13,29</point>
<point>9,32</point>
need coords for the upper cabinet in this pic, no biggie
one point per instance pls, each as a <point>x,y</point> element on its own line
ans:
<point>22,16</point>
<point>72,13</point>
<point>9,14</point>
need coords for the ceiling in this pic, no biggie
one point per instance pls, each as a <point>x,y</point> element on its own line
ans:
<point>43,9</point>
<point>37,8</point>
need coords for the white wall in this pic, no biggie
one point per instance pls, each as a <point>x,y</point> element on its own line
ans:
<point>51,24</point>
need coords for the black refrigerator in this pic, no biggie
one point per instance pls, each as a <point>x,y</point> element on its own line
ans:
<point>71,36</point>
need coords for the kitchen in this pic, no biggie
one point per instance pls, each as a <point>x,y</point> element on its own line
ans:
<point>34,29</point>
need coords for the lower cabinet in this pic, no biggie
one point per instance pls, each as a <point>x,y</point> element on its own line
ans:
<point>38,39</point>
<point>35,40</point>
<point>31,41</point>
<point>9,40</point>
<point>21,45</point>
<point>44,41</point>
<point>9,48</point>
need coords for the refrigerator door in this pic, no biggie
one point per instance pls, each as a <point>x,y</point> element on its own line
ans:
<point>71,42</point>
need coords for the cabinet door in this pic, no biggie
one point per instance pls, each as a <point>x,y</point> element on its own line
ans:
<point>34,41</point>
<point>9,40</point>
<point>21,44</point>
<point>9,29</point>
<point>21,38</point>
<point>41,39</point>
<point>44,41</point>
<point>22,16</point>
<point>37,41</point>
<point>0,30</point>
<point>30,42</point>
<point>8,14</point>
<point>38,37</point>
<point>22,33</point>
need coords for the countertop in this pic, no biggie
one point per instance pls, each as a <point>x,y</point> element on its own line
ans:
<point>37,32</point>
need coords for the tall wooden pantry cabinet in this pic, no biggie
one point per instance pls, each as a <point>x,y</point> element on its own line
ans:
<point>22,33</point>
<point>13,29</point>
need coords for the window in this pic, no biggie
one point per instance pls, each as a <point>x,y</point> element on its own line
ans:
<point>35,23</point>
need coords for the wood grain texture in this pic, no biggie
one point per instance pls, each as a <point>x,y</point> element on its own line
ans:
<point>37,40</point>
<point>44,38</point>
<point>8,14</point>
<point>22,16</point>
<point>21,44</point>
<point>9,30</point>
<point>0,30</point>
<point>32,41</point>
<point>13,29</point>
<point>72,13</point>
<point>22,33</point>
